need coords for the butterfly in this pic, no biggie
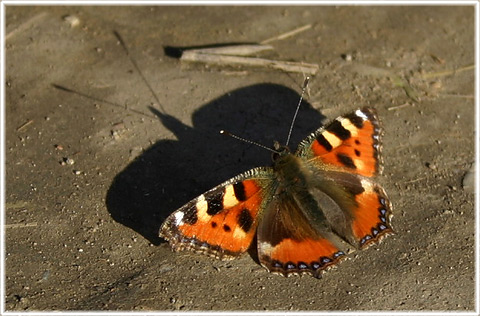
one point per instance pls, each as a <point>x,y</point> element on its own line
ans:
<point>305,211</point>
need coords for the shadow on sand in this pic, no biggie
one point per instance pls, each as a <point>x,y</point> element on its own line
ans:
<point>172,172</point>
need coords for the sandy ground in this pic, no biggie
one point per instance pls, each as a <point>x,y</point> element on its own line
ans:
<point>92,170</point>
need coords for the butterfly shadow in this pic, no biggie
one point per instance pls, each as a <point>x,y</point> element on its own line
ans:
<point>171,172</point>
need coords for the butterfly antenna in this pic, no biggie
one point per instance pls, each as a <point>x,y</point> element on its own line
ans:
<point>305,84</point>
<point>248,141</point>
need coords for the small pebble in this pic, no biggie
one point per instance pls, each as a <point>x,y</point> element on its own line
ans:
<point>347,57</point>
<point>72,20</point>
<point>468,181</point>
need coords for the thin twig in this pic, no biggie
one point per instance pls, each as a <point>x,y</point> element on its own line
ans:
<point>22,27</point>
<point>59,87</point>
<point>415,180</point>
<point>24,125</point>
<point>398,106</point>
<point>21,225</point>
<point>234,50</point>
<point>464,96</point>
<point>134,63</point>
<point>192,56</point>
<point>447,72</point>
<point>288,34</point>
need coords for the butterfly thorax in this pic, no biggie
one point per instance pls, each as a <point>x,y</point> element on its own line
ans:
<point>289,169</point>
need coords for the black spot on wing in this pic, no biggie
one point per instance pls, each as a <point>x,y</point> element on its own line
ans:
<point>324,142</point>
<point>355,120</point>
<point>190,216</point>
<point>338,130</point>
<point>239,190</point>
<point>215,203</point>
<point>245,220</point>
<point>346,161</point>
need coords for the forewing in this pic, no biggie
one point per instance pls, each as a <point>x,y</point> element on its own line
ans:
<point>350,142</point>
<point>221,222</point>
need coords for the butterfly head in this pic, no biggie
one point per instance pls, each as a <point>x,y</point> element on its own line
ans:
<point>279,151</point>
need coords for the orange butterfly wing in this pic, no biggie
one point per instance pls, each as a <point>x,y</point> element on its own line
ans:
<point>348,151</point>
<point>301,207</point>
<point>221,222</point>
<point>291,241</point>
<point>351,142</point>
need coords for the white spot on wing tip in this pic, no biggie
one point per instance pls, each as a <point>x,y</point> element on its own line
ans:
<point>179,218</point>
<point>361,114</point>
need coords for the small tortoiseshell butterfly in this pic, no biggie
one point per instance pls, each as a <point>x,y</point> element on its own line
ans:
<point>304,210</point>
